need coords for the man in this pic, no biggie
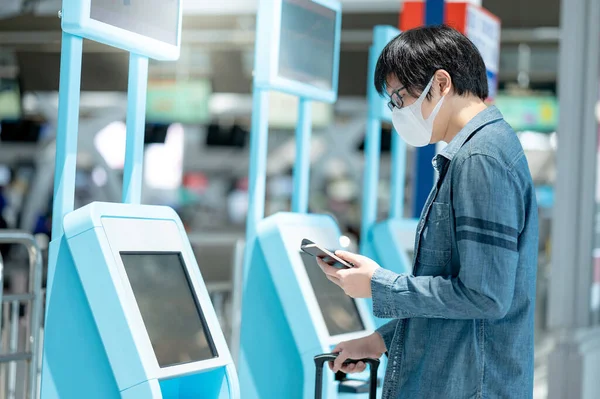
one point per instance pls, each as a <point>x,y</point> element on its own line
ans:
<point>462,323</point>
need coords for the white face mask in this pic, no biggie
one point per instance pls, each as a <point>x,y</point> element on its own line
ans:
<point>410,124</point>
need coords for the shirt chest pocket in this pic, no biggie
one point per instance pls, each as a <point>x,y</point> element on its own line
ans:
<point>436,242</point>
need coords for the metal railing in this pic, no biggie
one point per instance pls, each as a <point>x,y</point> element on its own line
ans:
<point>33,301</point>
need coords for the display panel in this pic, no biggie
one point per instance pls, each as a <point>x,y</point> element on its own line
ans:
<point>155,19</point>
<point>168,306</point>
<point>307,43</point>
<point>339,310</point>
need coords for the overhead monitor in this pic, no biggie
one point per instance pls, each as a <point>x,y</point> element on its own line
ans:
<point>149,28</point>
<point>170,311</point>
<point>307,43</point>
<point>156,19</point>
<point>339,311</point>
<point>302,38</point>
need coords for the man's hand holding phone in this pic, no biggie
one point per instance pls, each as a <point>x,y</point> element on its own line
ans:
<point>355,278</point>
<point>323,254</point>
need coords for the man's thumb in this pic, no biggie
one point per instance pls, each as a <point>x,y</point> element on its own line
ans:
<point>355,259</point>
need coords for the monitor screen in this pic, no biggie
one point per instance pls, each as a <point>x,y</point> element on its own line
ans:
<point>307,43</point>
<point>339,310</point>
<point>171,314</point>
<point>155,19</point>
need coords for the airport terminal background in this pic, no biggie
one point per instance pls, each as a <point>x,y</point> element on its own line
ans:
<point>198,119</point>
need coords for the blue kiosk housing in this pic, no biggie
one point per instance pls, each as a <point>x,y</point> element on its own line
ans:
<point>290,311</point>
<point>389,242</point>
<point>128,314</point>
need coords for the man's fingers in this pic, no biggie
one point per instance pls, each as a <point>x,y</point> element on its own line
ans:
<point>339,362</point>
<point>354,368</point>
<point>360,367</point>
<point>337,349</point>
<point>327,269</point>
<point>355,259</point>
<point>351,368</point>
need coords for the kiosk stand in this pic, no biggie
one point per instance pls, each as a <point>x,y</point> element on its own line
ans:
<point>391,242</point>
<point>128,314</point>
<point>290,311</point>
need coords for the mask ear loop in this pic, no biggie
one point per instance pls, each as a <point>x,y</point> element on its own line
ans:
<point>437,107</point>
<point>417,107</point>
<point>423,95</point>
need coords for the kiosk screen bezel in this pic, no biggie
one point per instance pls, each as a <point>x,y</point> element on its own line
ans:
<point>285,69</point>
<point>77,20</point>
<point>267,54</point>
<point>106,13</point>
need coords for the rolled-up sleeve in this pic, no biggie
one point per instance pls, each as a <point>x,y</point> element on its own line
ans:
<point>489,215</point>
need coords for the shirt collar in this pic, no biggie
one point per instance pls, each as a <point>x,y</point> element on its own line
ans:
<point>485,117</point>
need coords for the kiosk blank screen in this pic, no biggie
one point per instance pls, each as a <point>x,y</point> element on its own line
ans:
<point>171,314</point>
<point>339,310</point>
<point>307,43</point>
<point>156,19</point>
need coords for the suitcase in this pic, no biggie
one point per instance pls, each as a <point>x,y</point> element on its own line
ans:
<point>320,361</point>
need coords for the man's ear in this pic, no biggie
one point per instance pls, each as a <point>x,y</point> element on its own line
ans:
<point>443,82</point>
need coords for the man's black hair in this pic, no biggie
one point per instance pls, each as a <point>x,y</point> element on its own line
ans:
<point>415,55</point>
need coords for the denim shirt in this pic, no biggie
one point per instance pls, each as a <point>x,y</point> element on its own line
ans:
<point>463,320</point>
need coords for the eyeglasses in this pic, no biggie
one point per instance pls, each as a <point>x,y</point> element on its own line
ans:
<point>396,100</point>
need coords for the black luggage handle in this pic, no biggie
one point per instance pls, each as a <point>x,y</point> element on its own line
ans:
<point>320,361</point>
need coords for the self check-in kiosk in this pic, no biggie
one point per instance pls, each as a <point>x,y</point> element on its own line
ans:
<point>389,242</point>
<point>290,311</point>
<point>128,314</point>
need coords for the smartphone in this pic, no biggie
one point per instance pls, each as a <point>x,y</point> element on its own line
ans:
<point>326,255</point>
